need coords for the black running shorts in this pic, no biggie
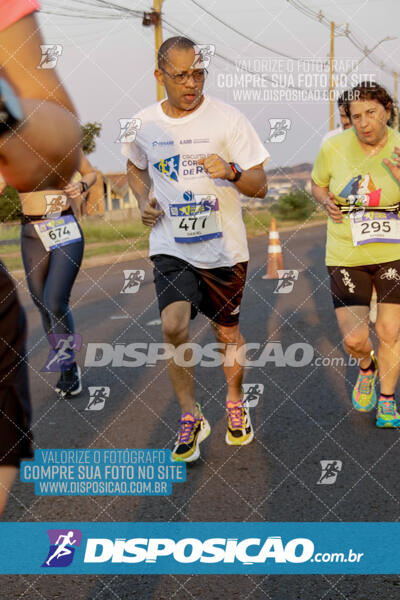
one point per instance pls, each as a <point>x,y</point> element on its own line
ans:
<point>217,293</point>
<point>352,286</point>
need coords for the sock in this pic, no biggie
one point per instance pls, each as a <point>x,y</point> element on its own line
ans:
<point>234,402</point>
<point>370,368</point>
<point>384,397</point>
<point>188,416</point>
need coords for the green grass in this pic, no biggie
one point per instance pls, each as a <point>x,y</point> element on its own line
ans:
<point>12,263</point>
<point>128,246</point>
<point>9,232</point>
<point>119,230</point>
<point>10,249</point>
<point>257,222</point>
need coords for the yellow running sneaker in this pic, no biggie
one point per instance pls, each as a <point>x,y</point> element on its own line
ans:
<point>240,430</point>
<point>192,432</point>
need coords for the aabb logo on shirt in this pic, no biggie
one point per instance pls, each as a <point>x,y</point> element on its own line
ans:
<point>169,167</point>
<point>361,191</point>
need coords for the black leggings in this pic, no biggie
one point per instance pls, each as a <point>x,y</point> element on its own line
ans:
<point>50,276</point>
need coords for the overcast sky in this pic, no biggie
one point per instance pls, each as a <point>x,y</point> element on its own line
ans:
<point>107,63</point>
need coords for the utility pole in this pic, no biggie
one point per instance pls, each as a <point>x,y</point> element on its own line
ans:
<point>154,18</point>
<point>158,40</point>
<point>331,82</point>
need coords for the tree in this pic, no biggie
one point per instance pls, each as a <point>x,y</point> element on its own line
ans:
<point>10,205</point>
<point>89,133</point>
<point>293,207</point>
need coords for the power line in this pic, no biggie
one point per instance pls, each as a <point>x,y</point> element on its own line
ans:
<point>174,29</point>
<point>321,18</point>
<point>84,9</point>
<point>252,41</point>
<point>136,13</point>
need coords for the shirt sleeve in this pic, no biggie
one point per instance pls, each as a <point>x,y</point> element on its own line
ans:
<point>244,145</point>
<point>320,173</point>
<point>135,153</point>
<point>12,11</point>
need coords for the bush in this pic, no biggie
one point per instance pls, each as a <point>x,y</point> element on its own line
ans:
<point>295,206</point>
<point>10,205</point>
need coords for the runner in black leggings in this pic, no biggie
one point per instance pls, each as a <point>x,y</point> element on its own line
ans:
<point>52,260</point>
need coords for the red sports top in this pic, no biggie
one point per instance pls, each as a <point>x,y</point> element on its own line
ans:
<point>13,10</point>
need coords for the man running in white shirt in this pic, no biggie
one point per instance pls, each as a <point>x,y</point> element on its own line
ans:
<point>199,153</point>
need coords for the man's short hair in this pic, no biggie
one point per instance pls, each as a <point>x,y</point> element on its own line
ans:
<point>178,42</point>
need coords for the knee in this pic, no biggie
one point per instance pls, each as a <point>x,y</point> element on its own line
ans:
<point>387,331</point>
<point>355,341</point>
<point>227,335</point>
<point>56,306</point>
<point>175,330</point>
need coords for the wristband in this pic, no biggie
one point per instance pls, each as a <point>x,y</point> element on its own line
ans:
<point>237,171</point>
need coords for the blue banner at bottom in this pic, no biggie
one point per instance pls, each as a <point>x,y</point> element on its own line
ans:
<point>200,548</point>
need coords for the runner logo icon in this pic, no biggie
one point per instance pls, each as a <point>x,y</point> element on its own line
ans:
<point>252,393</point>
<point>55,204</point>
<point>329,471</point>
<point>133,279</point>
<point>98,396</point>
<point>278,130</point>
<point>128,130</point>
<point>391,274</point>
<point>203,54</point>
<point>63,543</point>
<point>169,167</point>
<point>62,347</point>
<point>50,54</point>
<point>286,281</point>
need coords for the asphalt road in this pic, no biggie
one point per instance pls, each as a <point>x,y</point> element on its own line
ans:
<point>303,417</point>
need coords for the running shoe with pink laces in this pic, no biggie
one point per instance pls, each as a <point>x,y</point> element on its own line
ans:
<point>240,430</point>
<point>192,432</point>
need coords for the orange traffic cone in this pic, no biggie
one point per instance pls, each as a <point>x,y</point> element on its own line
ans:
<point>275,258</point>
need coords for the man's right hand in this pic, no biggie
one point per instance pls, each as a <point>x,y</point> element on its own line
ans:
<point>150,214</point>
<point>332,209</point>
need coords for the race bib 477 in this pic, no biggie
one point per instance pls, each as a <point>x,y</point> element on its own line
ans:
<point>197,220</point>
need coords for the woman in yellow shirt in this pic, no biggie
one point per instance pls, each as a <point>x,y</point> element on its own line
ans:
<point>352,178</point>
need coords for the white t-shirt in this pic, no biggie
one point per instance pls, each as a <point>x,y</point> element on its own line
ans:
<point>202,221</point>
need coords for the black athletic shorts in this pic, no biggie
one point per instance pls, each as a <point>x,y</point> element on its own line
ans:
<point>217,293</point>
<point>15,406</point>
<point>352,286</point>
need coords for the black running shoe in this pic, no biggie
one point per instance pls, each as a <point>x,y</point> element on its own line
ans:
<point>70,383</point>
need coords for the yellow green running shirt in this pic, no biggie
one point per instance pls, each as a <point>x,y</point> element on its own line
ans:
<point>344,168</point>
